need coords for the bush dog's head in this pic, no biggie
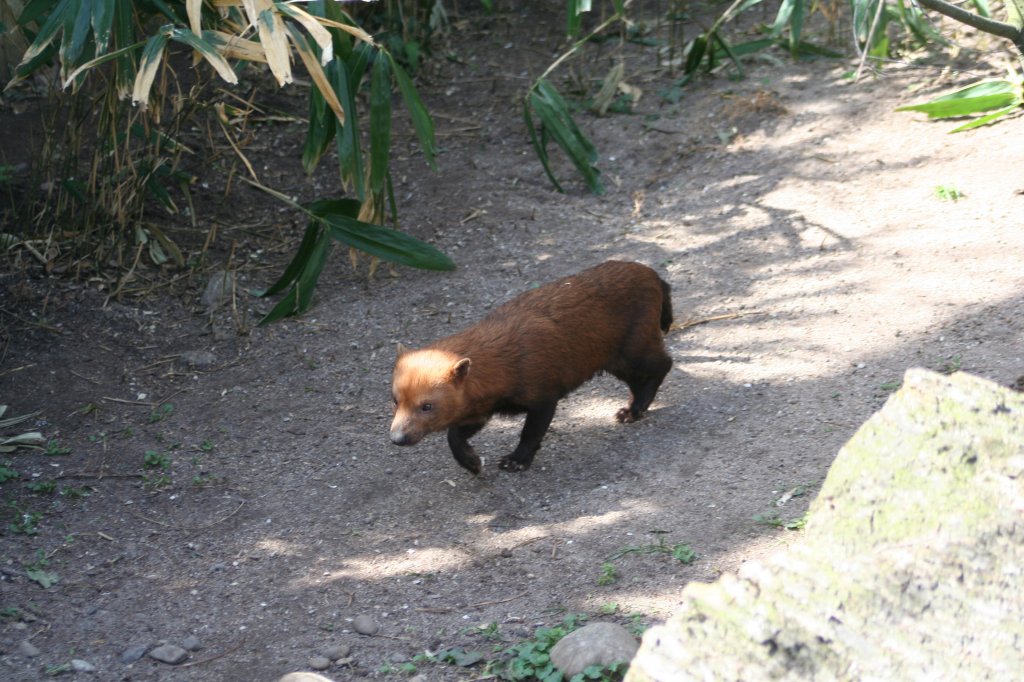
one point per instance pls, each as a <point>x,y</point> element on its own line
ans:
<point>427,387</point>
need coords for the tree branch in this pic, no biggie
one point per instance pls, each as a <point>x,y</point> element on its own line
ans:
<point>1013,33</point>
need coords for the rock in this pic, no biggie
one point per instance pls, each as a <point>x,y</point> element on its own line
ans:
<point>365,625</point>
<point>27,649</point>
<point>337,651</point>
<point>600,644</point>
<point>908,569</point>
<point>304,677</point>
<point>191,643</point>
<point>134,653</point>
<point>80,666</point>
<point>219,290</point>
<point>319,663</point>
<point>168,653</point>
<point>200,359</point>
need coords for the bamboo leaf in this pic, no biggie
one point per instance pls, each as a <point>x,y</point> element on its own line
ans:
<point>316,72</point>
<point>380,123</point>
<point>984,120</point>
<point>421,120</point>
<point>152,55</point>
<point>350,155</point>
<point>984,96</point>
<point>76,31</point>
<point>274,39</point>
<point>110,56</point>
<point>207,50</point>
<point>694,56</point>
<point>54,22</point>
<point>538,145</point>
<point>320,131</point>
<point>554,114</point>
<point>376,240</point>
<point>298,262</point>
<point>194,9</point>
<point>102,22</point>
<point>235,47</point>
<point>298,299</point>
<point>320,35</point>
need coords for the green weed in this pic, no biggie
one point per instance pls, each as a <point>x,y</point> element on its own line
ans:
<point>25,522</point>
<point>42,487</point>
<point>161,412</point>
<point>36,571</point>
<point>949,193</point>
<point>7,473</point>
<point>55,449</point>
<point>681,552</point>
<point>156,482</point>
<point>609,574</point>
<point>776,521</point>
<point>156,460</point>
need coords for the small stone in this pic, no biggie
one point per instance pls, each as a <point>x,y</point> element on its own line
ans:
<point>337,651</point>
<point>304,677</point>
<point>600,644</point>
<point>80,666</point>
<point>134,653</point>
<point>219,289</point>
<point>191,643</point>
<point>200,359</point>
<point>27,649</point>
<point>365,625</point>
<point>319,663</point>
<point>168,653</point>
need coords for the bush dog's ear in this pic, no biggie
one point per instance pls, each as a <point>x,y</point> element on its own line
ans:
<point>459,371</point>
<point>401,349</point>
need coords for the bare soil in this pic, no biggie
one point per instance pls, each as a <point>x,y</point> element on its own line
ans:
<point>794,212</point>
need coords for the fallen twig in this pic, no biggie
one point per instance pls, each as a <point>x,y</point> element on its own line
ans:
<point>497,601</point>
<point>692,322</point>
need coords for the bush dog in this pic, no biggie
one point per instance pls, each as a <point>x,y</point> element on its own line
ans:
<point>530,353</point>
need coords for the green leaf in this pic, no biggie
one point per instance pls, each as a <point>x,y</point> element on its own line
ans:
<point>298,299</point>
<point>45,578</point>
<point>207,50</point>
<point>321,130</point>
<point>383,242</point>
<point>380,124</point>
<point>54,22</point>
<point>298,262</point>
<point>102,22</point>
<point>421,120</point>
<point>553,112</point>
<point>978,122</point>
<point>350,156</point>
<point>698,46</point>
<point>984,96</point>
<point>538,145</point>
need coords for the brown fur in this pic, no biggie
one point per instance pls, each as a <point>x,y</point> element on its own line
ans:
<point>530,353</point>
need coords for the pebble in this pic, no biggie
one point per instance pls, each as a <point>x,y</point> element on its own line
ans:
<point>200,359</point>
<point>134,653</point>
<point>365,625</point>
<point>27,649</point>
<point>80,666</point>
<point>599,644</point>
<point>337,651</point>
<point>168,653</point>
<point>304,677</point>
<point>319,663</point>
<point>218,290</point>
<point>191,643</point>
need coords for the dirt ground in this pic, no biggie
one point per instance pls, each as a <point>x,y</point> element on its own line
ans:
<point>795,205</point>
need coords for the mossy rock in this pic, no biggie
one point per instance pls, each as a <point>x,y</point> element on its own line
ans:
<point>911,565</point>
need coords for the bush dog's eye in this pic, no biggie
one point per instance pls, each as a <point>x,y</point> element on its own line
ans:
<point>394,399</point>
<point>426,407</point>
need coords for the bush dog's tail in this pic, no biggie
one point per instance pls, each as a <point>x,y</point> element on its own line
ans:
<point>666,306</point>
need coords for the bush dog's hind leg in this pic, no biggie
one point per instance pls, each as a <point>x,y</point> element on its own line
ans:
<point>643,387</point>
<point>458,441</point>
<point>537,422</point>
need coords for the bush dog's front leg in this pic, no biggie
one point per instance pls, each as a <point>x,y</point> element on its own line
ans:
<point>458,441</point>
<point>537,422</point>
